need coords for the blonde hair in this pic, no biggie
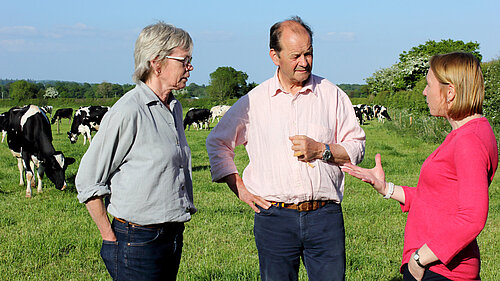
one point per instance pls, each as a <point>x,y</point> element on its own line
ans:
<point>463,70</point>
<point>157,41</point>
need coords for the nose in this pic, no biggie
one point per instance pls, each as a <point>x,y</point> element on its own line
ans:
<point>424,92</point>
<point>303,61</point>
<point>189,67</point>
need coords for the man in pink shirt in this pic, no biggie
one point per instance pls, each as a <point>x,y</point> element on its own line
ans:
<point>298,129</point>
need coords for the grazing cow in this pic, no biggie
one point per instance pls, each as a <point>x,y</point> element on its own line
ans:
<point>47,108</point>
<point>218,111</point>
<point>4,124</point>
<point>197,115</point>
<point>358,113</point>
<point>62,113</point>
<point>29,137</point>
<point>381,113</point>
<point>87,119</point>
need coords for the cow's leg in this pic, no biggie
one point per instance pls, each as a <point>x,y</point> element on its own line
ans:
<point>30,181</point>
<point>4,133</point>
<point>40,172</point>
<point>21,170</point>
<point>58,121</point>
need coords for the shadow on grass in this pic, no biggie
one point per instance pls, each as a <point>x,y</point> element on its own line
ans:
<point>201,168</point>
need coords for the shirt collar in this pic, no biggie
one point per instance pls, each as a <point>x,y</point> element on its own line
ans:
<point>149,97</point>
<point>277,88</point>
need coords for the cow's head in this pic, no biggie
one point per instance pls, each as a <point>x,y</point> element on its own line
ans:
<point>55,168</point>
<point>72,137</point>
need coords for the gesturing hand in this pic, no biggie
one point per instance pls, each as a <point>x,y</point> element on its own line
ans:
<point>374,176</point>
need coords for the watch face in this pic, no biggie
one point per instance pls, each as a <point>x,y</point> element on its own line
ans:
<point>327,155</point>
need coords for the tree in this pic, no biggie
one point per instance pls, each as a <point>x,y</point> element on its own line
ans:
<point>491,73</point>
<point>413,65</point>
<point>226,83</point>
<point>104,90</point>
<point>50,93</point>
<point>22,90</point>
<point>196,90</point>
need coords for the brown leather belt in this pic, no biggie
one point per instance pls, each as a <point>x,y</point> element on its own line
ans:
<point>305,206</point>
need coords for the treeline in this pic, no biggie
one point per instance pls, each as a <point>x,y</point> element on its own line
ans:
<point>20,90</point>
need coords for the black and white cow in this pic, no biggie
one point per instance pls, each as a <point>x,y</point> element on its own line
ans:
<point>4,124</point>
<point>195,116</point>
<point>381,113</point>
<point>29,137</point>
<point>358,113</point>
<point>47,108</point>
<point>62,113</point>
<point>87,119</point>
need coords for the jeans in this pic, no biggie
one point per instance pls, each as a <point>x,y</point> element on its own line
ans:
<point>143,253</point>
<point>428,275</point>
<point>284,236</point>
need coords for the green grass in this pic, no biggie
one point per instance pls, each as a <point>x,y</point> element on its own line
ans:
<point>52,237</point>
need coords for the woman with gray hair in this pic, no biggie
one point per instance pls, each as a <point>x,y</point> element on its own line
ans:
<point>140,163</point>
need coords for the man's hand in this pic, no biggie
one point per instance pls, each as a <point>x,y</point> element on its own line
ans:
<point>235,182</point>
<point>306,149</point>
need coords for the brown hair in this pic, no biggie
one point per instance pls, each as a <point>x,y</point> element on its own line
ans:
<point>463,70</point>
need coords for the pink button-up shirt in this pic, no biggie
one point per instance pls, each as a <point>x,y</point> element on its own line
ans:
<point>265,118</point>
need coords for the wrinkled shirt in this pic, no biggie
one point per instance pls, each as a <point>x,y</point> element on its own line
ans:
<point>265,118</point>
<point>140,157</point>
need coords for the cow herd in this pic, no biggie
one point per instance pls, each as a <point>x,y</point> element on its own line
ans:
<point>29,135</point>
<point>366,112</point>
<point>200,118</point>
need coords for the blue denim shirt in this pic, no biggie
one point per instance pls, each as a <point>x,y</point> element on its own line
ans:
<point>140,157</point>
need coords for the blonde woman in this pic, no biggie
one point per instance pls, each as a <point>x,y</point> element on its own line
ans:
<point>448,208</point>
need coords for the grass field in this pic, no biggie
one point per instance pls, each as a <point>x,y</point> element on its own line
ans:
<point>52,237</point>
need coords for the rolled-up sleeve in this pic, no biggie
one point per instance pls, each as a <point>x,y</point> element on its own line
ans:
<point>229,133</point>
<point>349,134</point>
<point>105,155</point>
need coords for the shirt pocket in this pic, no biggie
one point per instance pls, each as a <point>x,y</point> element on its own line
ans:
<point>320,133</point>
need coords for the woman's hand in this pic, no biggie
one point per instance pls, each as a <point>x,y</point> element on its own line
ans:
<point>416,271</point>
<point>374,176</point>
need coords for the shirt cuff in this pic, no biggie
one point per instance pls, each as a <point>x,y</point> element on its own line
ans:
<point>93,191</point>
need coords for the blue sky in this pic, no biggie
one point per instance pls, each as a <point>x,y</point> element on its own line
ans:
<point>92,41</point>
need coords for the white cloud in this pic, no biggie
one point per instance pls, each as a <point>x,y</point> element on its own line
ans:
<point>18,30</point>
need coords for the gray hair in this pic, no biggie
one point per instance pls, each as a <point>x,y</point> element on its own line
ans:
<point>157,41</point>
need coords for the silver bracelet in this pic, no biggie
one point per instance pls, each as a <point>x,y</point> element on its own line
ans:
<point>390,192</point>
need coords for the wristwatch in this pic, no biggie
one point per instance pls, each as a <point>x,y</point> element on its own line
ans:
<point>416,257</point>
<point>327,154</point>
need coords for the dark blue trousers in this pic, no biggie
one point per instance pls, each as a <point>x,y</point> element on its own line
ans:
<point>284,236</point>
<point>142,253</point>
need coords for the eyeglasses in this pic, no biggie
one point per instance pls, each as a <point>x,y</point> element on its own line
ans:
<point>185,61</point>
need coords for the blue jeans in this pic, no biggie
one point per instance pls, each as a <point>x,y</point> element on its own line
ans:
<point>284,236</point>
<point>428,275</point>
<point>143,253</point>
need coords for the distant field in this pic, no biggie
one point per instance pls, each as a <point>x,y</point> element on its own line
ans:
<point>52,237</point>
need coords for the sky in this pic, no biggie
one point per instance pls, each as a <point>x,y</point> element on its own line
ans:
<point>93,41</point>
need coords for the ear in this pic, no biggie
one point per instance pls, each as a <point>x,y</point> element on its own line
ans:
<point>450,94</point>
<point>69,160</point>
<point>274,56</point>
<point>155,65</point>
